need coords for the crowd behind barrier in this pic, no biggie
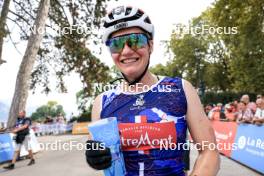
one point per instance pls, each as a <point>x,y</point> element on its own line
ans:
<point>243,111</point>
<point>51,128</point>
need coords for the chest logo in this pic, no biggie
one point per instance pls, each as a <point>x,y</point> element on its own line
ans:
<point>139,101</point>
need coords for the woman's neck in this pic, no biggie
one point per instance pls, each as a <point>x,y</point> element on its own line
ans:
<point>146,82</point>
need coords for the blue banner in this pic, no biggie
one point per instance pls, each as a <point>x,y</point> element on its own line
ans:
<point>250,146</point>
<point>6,147</point>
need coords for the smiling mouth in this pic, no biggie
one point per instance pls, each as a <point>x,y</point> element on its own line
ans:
<point>130,60</point>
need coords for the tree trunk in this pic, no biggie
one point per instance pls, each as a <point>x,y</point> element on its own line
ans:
<point>23,76</point>
<point>3,32</point>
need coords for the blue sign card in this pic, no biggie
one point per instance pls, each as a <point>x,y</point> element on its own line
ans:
<point>106,131</point>
<point>250,146</point>
<point>6,148</point>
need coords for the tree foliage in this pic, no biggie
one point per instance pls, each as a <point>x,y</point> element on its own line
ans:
<point>229,60</point>
<point>247,47</point>
<point>52,109</point>
<point>85,102</point>
<point>23,76</point>
<point>72,29</point>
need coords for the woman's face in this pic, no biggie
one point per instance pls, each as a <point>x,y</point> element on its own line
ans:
<point>132,62</point>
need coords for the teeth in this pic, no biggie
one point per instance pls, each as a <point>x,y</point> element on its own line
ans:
<point>126,61</point>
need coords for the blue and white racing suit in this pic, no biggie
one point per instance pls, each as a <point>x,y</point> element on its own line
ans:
<point>146,120</point>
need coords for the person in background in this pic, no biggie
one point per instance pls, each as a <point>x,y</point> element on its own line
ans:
<point>208,108</point>
<point>245,99</point>
<point>245,114</point>
<point>259,96</point>
<point>251,105</point>
<point>229,114</point>
<point>259,115</point>
<point>21,129</point>
<point>234,106</point>
<point>2,126</point>
<point>216,111</point>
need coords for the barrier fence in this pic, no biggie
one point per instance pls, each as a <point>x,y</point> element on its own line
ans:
<point>243,143</point>
<point>80,128</point>
<point>246,141</point>
<point>54,128</point>
<point>7,143</point>
<point>7,146</point>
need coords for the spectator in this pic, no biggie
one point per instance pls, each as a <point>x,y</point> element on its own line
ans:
<point>216,111</point>
<point>2,127</point>
<point>229,114</point>
<point>259,115</point>
<point>21,129</point>
<point>61,119</point>
<point>250,105</point>
<point>234,106</point>
<point>208,108</point>
<point>245,99</point>
<point>259,96</point>
<point>245,114</point>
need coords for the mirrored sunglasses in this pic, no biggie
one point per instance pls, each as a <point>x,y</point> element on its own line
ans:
<point>134,41</point>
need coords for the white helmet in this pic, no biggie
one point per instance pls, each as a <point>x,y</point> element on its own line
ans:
<point>125,17</point>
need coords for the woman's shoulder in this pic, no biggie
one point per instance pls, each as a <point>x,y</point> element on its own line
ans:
<point>170,78</point>
<point>178,81</point>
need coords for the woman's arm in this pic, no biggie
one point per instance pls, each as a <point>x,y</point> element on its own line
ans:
<point>208,161</point>
<point>96,110</point>
<point>97,107</point>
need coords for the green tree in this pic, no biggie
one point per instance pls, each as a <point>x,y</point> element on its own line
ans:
<point>52,109</point>
<point>228,61</point>
<point>162,70</point>
<point>23,76</point>
<point>246,48</point>
<point>61,51</point>
<point>85,102</point>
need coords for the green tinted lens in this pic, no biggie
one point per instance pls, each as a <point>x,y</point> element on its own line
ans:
<point>117,44</point>
<point>137,41</point>
<point>134,41</point>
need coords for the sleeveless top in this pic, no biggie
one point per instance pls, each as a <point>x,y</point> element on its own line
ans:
<point>152,126</point>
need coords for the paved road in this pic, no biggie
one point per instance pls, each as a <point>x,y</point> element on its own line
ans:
<point>72,163</point>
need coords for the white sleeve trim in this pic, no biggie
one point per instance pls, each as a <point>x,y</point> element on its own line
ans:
<point>183,83</point>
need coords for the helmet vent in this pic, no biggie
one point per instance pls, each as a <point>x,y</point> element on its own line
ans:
<point>139,13</point>
<point>128,10</point>
<point>147,20</point>
<point>111,16</point>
